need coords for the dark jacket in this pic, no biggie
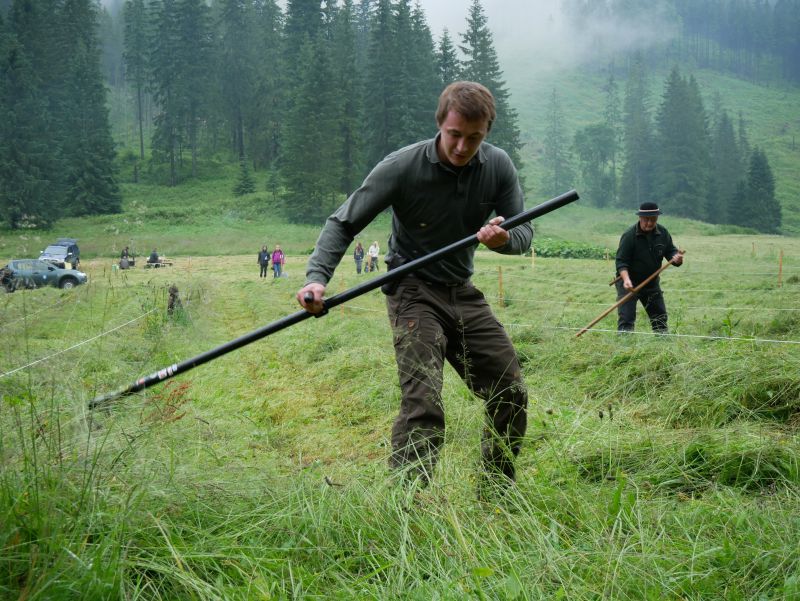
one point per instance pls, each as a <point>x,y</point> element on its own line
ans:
<point>263,257</point>
<point>642,253</point>
<point>432,204</point>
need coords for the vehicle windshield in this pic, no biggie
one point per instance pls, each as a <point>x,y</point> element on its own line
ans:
<point>56,250</point>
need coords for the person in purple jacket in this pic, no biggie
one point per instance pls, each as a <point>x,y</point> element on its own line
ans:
<point>278,259</point>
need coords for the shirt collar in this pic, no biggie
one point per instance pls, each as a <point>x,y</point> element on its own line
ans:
<point>433,155</point>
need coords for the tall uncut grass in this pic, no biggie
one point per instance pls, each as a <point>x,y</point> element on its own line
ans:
<point>654,467</point>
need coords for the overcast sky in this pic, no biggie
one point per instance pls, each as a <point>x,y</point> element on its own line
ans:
<point>536,30</point>
<point>502,14</point>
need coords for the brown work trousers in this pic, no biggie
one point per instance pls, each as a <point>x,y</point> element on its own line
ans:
<point>433,322</point>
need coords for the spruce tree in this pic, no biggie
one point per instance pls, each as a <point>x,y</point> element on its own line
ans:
<point>237,69</point>
<point>682,176</point>
<point>166,75</point>
<point>88,147</point>
<point>380,80</point>
<point>195,61</point>
<point>312,171</point>
<point>558,175</point>
<point>26,192</point>
<point>136,36</point>
<point>264,119</point>
<point>447,60</point>
<point>595,146</point>
<point>481,65</point>
<point>401,131</point>
<point>425,81</point>
<point>180,67</point>
<point>637,171</point>
<point>765,211</point>
<point>349,85</point>
<point>245,184</point>
<point>726,171</point>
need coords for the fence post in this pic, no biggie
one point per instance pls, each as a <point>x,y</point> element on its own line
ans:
<point>533,257</point>
<point>780,268</point>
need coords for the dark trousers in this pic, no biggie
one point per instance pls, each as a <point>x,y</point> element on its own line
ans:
<point>433,323</point>
<point>652,300</point>
<point>264,267</point>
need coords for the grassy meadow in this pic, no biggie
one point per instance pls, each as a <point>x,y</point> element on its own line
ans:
<point>654,467</point>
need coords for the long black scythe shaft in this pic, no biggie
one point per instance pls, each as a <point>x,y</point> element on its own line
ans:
<point>334,301</point>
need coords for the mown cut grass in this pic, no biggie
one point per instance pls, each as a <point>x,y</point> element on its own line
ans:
<point>262,474</point>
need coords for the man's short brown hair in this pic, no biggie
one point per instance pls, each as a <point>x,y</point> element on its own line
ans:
<point>471,100</point>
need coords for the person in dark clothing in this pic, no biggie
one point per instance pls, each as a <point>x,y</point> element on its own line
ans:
<point>440,191</point>
<point>642,248</point>
<point>125,259</point>
<point>153,258</point>
<point>358,257</point>
<point>263,261</point>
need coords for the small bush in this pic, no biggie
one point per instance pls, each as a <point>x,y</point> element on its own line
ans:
<point>565,249</point>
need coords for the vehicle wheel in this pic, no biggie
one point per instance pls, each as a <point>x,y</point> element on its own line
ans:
<point>67,283</point>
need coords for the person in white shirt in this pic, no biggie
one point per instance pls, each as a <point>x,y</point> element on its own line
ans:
<point>373,252</point>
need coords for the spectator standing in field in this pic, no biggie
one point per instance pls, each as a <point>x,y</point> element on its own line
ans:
<point>440,191</point>
<point>125,259</point>
<point>358,257</point>
<point>373,252</point>
<point>263,261</point>
<point>278,259</point>
<point>642,248</point>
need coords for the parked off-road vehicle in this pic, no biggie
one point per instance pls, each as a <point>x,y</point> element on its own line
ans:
<point>33,273</point>
<point>64,253</point>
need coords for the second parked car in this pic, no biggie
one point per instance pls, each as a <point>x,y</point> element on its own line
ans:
<point>64,253</point>
<point>33,273</point>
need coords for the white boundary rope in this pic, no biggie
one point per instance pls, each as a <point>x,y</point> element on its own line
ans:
<point>668,335</point>
<point>575,329</point>
<point>74,346</point>
<point>676,305</point>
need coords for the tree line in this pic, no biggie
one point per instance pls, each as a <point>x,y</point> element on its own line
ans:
<point>315,94</point>
<point>57,153</point>
<point>694,164</point>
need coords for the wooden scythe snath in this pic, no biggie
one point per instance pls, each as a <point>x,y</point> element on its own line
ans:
<point>630,294</point>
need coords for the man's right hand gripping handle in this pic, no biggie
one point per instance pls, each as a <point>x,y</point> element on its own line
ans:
<point>310,298</point>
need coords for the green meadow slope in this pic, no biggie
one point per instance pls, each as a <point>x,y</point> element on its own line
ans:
<point>771,114</point>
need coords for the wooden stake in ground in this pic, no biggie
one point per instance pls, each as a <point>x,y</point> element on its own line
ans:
<point>630,294</point>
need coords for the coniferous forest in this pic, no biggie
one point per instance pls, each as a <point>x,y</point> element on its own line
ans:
<point>308,96</point>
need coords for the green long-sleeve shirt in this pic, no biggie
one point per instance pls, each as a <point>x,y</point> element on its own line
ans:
<point>642,253</point>
<point>433,205</point>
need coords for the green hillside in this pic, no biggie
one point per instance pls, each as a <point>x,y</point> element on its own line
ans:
<point>771,114</point>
